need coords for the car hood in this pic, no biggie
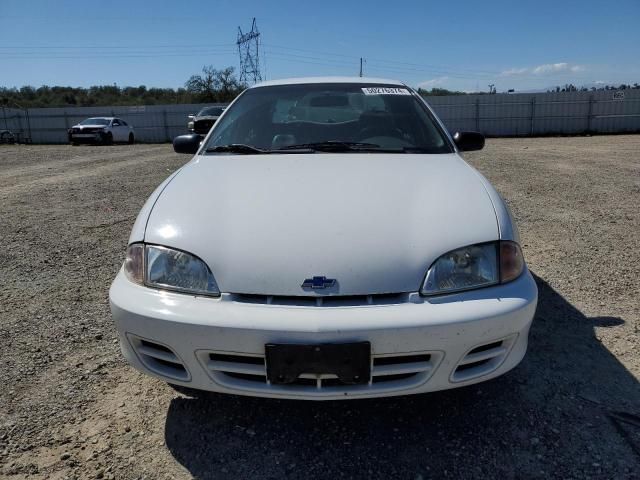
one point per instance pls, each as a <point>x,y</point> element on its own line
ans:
<point>89,126</point>
<point>373,222</point>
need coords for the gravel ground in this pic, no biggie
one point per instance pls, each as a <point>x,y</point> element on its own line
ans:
<point>71,408</point>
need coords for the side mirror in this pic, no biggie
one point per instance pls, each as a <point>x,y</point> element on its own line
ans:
<point>467,141</point>
<point>187,143</point>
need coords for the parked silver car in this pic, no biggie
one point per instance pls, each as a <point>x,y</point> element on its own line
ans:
<point>104,130</point>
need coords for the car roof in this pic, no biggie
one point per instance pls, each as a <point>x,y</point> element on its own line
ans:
<point>303,80</point>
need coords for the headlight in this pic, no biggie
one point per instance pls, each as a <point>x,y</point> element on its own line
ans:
<point>169,269</point>
<point>474,266</point>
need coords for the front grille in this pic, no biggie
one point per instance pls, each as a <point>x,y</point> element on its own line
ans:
<point>159,358</point>
<point>86,130</point>
<point>380,361</point>
<point>203,126</point>
<point>249,373</point>
<point>223,357</point>
<point>323,301</point>
<point>482,360</point>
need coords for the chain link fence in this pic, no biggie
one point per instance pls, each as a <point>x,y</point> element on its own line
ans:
<point>563,113</point>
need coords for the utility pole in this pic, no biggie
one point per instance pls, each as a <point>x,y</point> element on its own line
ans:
<point>361,61</point>
<point>248,49</point>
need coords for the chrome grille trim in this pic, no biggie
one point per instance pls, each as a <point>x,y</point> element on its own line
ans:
<point>322,301</point>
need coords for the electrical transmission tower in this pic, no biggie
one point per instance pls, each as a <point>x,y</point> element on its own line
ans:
<point>248,49</point>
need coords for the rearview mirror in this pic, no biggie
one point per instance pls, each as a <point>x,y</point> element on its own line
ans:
<point>187,143</point>
<point>329,101</point>
<point>467,141</point>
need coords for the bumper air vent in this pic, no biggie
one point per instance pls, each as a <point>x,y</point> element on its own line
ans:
<point>482,360</point>
<point>159,358</point>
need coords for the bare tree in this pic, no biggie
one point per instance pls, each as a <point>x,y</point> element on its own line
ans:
<point>214,85</point>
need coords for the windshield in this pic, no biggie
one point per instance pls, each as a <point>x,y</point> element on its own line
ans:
<point>210,112</point>
<point>95,121</point>
<point>342,116</point>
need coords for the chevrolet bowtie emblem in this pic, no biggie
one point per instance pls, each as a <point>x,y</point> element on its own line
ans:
<point>317,283</point>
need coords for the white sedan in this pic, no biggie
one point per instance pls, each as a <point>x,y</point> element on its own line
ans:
<point>326,241</point>
<point>105,130</point>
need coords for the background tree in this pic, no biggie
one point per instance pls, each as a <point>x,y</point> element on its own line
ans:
<point>211,86</point>
<point>438,92</point>
<point>214,85</point>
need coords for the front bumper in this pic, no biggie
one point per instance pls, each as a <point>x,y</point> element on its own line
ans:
<point>418,345</point>
<point>87,137</point>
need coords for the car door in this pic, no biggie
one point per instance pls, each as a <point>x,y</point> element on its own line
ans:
<point>119,130</point>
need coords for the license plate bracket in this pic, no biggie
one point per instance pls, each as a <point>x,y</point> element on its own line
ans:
<point>350,362</point>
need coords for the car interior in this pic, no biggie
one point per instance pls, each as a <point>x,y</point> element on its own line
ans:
<point>392,122</point>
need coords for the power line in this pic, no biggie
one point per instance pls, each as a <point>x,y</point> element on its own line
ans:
<point>332,54</point>
<point>371,66</point>
<point>116,54</point>
<point>248,46</point>
<point>83,47</point>
<point>308,59</point>
<point>397,67</point>
<point>380,60</point>
<point>124,55</point>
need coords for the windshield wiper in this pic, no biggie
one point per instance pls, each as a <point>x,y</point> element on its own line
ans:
<point>333,146</point>
<point>406,150</point>
<point>328,146</point>
<point>237,148</point>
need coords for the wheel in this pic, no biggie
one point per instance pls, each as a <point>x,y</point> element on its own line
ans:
<point>7,137</point>
<point>131,139</point>
<point>108,139</point>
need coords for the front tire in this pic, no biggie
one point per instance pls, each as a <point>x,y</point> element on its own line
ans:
<point>131,139</point>
<point>108,139</point>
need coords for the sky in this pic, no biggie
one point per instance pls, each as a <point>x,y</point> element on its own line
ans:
<point>462,45</point>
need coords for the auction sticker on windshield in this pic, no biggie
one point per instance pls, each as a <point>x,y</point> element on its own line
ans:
<point>385,91</point>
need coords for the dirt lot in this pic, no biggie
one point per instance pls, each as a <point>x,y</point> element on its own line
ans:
<point>71,408</point>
